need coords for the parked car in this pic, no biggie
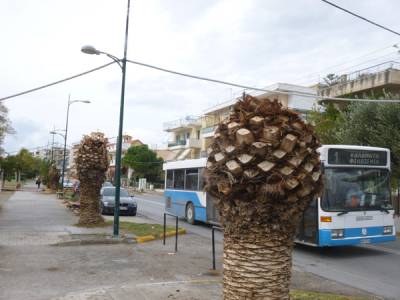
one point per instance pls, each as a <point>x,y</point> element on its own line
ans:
<point>128,205</point>
<point>105,184</point>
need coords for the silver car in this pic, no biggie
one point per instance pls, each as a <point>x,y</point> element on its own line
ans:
<point>127,205</point>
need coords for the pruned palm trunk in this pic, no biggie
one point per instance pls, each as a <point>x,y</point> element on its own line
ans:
<point>263,171</point>
<point>91,164</point>
<point>257,265</point>
<point>54,177</point>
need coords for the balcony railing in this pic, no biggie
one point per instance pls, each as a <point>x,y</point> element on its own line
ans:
<point>208,129</point>
<point>184,122</point>
<point>177,143</point>
<point>189,143</point>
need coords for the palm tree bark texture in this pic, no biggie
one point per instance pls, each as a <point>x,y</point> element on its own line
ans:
<point>91,163</point>
<point>263,170</point>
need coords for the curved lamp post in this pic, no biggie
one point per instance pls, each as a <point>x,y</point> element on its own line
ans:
<point>122,63</point>
<point>53,133</point>
<point>66,135</point>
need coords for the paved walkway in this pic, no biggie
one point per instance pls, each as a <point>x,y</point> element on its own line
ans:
<point>30,217</point>
<point>32,269</point>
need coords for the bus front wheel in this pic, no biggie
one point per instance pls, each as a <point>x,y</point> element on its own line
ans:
<point>190,213</point>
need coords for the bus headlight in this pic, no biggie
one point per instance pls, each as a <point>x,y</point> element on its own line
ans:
<point>388,230</point>
<point>337,233</point>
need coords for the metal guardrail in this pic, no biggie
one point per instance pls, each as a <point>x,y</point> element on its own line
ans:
<point>176,229</point>
<point>213,243</point>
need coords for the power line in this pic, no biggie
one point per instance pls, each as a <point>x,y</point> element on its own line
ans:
<point>316,73</point>
<point>391,56</point>
<point>361,17</point>
<point>56,82</point>
<point>309,95</point>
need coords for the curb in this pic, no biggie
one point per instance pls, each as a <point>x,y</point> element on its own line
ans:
<point>145,238</point>
<point>148,238</point>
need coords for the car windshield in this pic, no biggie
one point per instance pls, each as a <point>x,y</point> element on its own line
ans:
<point>107,184</point>
<point>356,189</point>
<point>111,192</point>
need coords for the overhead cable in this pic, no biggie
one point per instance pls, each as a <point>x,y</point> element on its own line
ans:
<point>56,82</point>
<point>361,17</point>
<point>309,95</point>
<point>303,94</point>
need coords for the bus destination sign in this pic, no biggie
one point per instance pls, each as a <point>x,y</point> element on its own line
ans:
<point>357,157</point>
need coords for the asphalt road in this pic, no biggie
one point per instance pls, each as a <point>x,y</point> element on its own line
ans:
<point>373,268</point>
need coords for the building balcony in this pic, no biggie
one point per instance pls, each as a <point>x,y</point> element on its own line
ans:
<point>189,143</point>
<point>385,75</point>
<point>208,131</point>
<point>189,121</point>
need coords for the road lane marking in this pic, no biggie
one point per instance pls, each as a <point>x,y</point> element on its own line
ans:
<point>151,201</point>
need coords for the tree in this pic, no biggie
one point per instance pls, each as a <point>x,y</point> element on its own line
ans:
<point>91,165</point>
<point>144,162</point>
<point>331,79</point>
<point>44,169</point>
<point>373,124</point>
<point>5,124</point>
<point>326,119</point>
<point>25,163</point>
<point>263,171</point>
<point>53,178</point>
<point>8,166</point>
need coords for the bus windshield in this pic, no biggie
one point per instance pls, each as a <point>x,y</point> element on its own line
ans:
<point>349,189</point>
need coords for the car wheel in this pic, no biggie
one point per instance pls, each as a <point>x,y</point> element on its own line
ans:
<point>102,209</point>
<point>190,217</point>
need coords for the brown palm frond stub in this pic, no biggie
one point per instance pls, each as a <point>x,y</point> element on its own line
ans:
<point>263,170</point>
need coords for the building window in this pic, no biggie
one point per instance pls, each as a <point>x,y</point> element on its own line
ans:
<point>179,179</point>
<point>198,134</point>
<point>187,135</point>
<point>192,179</point>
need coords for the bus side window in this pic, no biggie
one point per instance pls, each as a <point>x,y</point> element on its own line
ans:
<point>170,179</point>
<point>201,179</point>
<point>192,179</point>
<point>179,179</point>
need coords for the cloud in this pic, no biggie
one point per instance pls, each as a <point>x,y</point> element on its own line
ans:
<point>252,42</point>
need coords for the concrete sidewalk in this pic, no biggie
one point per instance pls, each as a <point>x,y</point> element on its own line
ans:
<point>31,268</point>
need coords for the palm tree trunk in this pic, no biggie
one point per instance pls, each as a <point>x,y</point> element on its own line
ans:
<point>89,211</point>
<point>257,265</point>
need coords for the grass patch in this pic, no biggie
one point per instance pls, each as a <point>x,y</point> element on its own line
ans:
<point>307,295</point>
<point>143,229</point>
<point>103,224</point>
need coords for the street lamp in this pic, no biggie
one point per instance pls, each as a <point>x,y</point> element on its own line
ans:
<point>66,135</point>
<point>122,63</point>
<point>54,132</point>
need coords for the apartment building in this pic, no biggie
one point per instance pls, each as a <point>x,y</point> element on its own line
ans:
<point>54,153</point>
<point>127,141</point>
<point>191,136</point>
<point>367,82</point>
<point>185,138</point>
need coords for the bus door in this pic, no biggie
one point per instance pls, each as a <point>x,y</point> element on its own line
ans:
<point>212,212</point>
<point>308,229</point>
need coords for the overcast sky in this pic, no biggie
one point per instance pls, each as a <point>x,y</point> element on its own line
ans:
<point>257,43</point>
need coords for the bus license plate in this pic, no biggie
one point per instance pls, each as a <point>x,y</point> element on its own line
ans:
<point>365,241</point>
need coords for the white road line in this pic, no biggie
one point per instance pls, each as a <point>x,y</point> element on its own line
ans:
<point>151,201</point>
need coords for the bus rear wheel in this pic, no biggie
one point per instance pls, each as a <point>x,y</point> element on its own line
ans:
<point>190,213</point>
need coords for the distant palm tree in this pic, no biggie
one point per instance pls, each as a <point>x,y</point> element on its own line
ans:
<point>263,171</point>
<point>91,164</point>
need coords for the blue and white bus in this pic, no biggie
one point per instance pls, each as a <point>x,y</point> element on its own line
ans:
<point>355,207</point>
<point>184,195</point>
